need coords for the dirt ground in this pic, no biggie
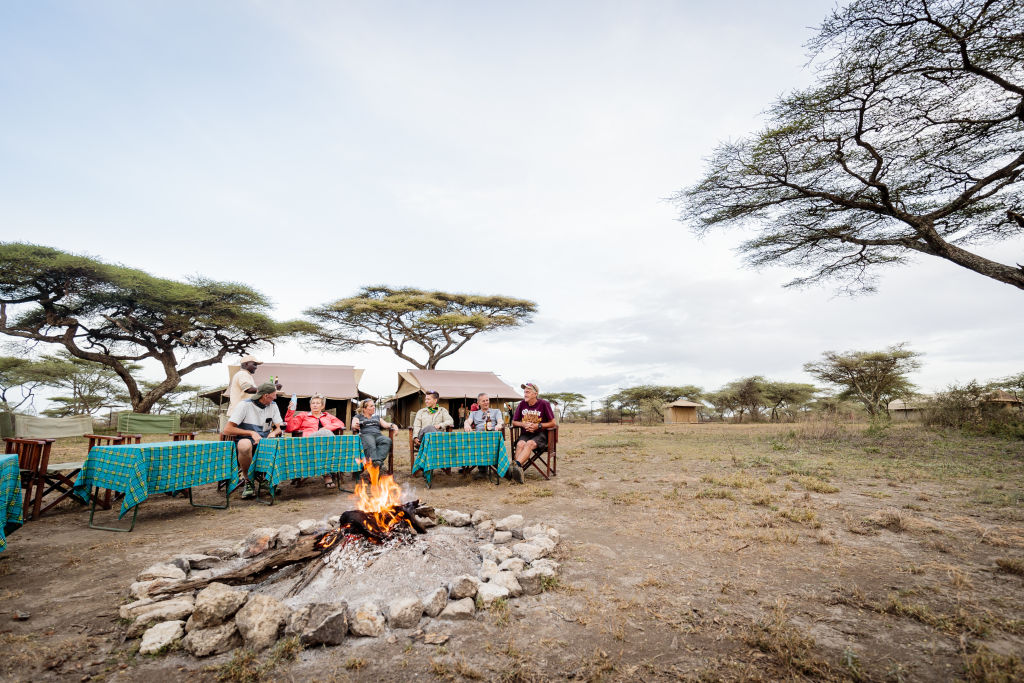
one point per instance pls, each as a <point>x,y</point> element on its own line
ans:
<point>692,552</point>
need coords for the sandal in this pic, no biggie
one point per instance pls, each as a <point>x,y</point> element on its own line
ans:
<point>328,481</point>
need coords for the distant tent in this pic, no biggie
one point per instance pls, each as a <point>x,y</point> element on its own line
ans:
<point>456,387</point>
<point>141,423</point>
<point>904,411</point>
<point>339,384</point>
<point>682,412</point>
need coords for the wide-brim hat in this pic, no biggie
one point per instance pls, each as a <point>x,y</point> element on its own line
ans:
<point>250,359</point>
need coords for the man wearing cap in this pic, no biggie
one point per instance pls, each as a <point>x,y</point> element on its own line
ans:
<point>253,420</point>
<point>535,416</point>
<point>432,418</point>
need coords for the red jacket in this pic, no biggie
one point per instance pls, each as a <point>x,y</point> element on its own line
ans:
<point>308,424</point>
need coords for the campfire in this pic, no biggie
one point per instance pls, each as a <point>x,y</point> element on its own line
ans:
<point>380,513</point>
<point>372,570</point>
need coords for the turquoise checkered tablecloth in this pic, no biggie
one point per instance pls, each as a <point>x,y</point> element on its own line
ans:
<point>140,470</point>
<point>10,496</point>
<point>312,456</point>
<point>461,449</point>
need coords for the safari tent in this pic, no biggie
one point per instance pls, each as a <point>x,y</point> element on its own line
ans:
<point>456,387</point>
<point>904,411</point>
<point>681,412</point>
<point>339,384</point>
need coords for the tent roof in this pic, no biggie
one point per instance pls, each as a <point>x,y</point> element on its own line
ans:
<point>683,403</point>
<point>900,404</point>
<point>338,382</point>
<point>454,384</point>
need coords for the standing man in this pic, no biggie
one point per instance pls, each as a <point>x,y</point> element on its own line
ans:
<point>433,418</point>
<point>534,415</point>
<point>253,420</point>
<point>244,382</point>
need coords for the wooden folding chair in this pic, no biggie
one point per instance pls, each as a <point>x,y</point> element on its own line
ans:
<point>126,438</point>
<point>33,457</point>
<point>182,436</point>
<point>548,456</point>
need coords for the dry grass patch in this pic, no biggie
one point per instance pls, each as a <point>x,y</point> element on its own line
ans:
<point>792,649</point>
<point>715,494</point>
<point>890,518</point>
<point>815,484</point>
<point>986,666</point>
<point>1011,565</point>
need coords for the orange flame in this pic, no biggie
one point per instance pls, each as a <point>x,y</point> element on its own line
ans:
<point>381,498</point>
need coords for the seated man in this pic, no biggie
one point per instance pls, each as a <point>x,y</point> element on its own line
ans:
<point>432,418</point>
<point>483,418</point>
<point>534,415</point>
<point>255,419</point>
<point>316,422</point>
<point>375,444</point>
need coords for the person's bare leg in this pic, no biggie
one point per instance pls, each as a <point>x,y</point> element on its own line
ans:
<point>244,447</point>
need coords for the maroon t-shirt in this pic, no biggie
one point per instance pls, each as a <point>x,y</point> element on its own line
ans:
<point>537,413</point>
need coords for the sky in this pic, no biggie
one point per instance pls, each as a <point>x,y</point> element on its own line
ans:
<point>525,149</point>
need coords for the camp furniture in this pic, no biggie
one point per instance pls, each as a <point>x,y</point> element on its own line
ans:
<point>439,450</point>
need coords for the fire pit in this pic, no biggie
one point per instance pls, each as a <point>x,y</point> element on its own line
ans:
<point>389,564</point>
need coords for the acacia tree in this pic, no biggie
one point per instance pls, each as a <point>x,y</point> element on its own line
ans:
<point>20,378</point>
<point>89,386</point>
<point>648,400</point>
<point>567,400</point>
<point>117,316</point>
<point>912,141</point>
<point>873,378</point>
<point>786,396</point>
<point>439,323</point>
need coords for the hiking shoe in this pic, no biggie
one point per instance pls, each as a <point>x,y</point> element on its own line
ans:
<point>248,492</point>
<point>515,472</point>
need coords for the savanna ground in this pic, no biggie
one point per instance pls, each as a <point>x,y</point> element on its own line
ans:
<point>692,552</point>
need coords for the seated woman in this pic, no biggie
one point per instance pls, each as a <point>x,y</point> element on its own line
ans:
<point>314,423</point>
<point>375,444</point>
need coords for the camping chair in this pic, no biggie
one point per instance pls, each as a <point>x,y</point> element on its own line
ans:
<point>182,436</point>
<point>391,452</point>
<point>33,457</point>
<point>548,457</point>
<point>127,438</point>
<point>60,476</point>
<point>413,449</point>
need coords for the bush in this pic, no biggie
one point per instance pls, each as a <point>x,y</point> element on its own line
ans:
<point>963,407</point>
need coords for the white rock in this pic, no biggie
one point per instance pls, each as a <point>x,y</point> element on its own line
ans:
<point>287,536</point>
<point>212,641</point>
<point>486,550</point>
<point>319,623</point>
<point>489,592</point>
<point>167,610</point>
<point>529,581</point>
<point>485,529</point>
<point>459,609</point>
<point>366,620</point>
<point>507,580</point>
<point>435,602</point>
<point>307,526</point>
<point>554,535</point>
<point>261,620</point>
<point>488,569</point>
<point>334,520</point>
<point>162,571</point>
<point>258,541</point>
<point>454,517</point>
<point>202,574</point>
<point>405,612</point>
<point>202,561</point>
<point>142,589</point>
<point>128,611</point>
<point>511,523</point>
<point>161,636</point>
<point>533,530</point>
<point>181,562</point>
<point>529,551</point>
<point>479,517</point>
<point>513,564</point>
<point>544,542</point>
<point>546,567</point>
<point>502,553</point>
<point>464,586</point>
<point>214,605</point>
<point>501,537</point>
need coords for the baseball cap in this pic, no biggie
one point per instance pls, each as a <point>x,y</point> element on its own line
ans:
<point>529,385</point>
<point>266,388</point>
